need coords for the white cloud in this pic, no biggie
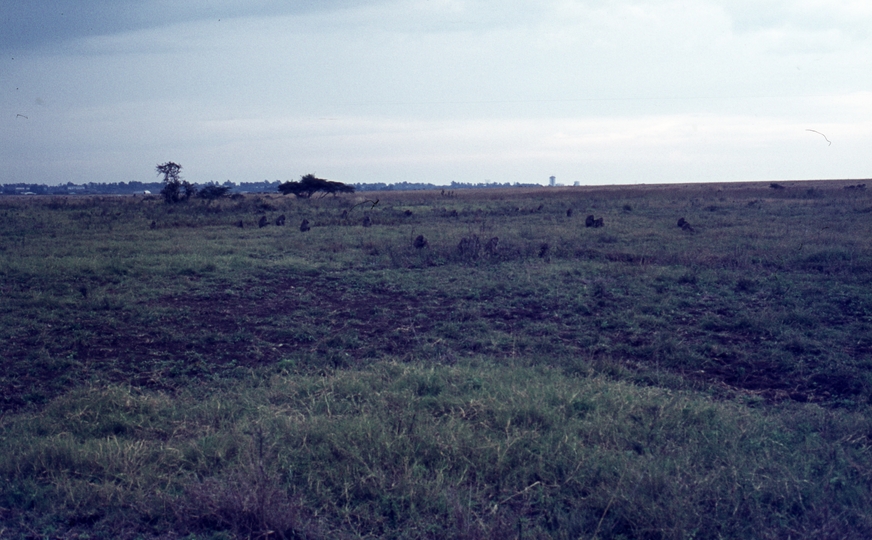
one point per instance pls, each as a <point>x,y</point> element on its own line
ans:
<point>848,16</point>
<point>657,148</point>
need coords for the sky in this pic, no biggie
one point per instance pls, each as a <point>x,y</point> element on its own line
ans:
<point>590,91</point>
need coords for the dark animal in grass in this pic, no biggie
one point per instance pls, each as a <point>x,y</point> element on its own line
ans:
<point>543,250</point>
<point>684,225</point>
<point>280,221</point>
<point>153,225</point>
<point>304,226</point>
<point>263,222</point>
<point>420,242</point>
<point>469,247</point>
<point>491,246</point>
<point>407,213</point>
<point>344,215</point>
<point>367,221</point>
<point>591,221</point>
<point>240,224</point>
<point>569,212</point>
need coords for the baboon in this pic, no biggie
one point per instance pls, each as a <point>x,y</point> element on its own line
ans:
<point>491,246</point>
<point>543,250</point>
<point>684,225</point>
<point>263,222</point>
<point>588,222</point>
<point>541,206</point>
<point>407,213</point>
<point>240,224</point>
<point>569,212</point>
<point>304,226</point>
<point>598,222</point>
<point>153,225</point>
<point>367,221</point>
<point>280,221</point>
<point>344,215</point>
<point>469,247</point>
<point>420,242</point>
<point>84,291</point>
<point>453,213</point>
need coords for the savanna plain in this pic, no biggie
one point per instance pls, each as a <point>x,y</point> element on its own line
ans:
<point>472,364</point>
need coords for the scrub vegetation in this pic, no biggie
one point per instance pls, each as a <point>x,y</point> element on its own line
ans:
<point>471,364</point>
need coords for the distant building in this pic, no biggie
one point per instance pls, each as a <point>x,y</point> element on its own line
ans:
<point>552,180</point>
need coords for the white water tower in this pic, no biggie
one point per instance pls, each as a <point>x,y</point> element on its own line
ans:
<point>552,180</point>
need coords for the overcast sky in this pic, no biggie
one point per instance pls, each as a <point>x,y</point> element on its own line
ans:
<point>590,91</point>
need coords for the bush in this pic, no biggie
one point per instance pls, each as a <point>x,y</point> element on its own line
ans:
<point>213,191</point>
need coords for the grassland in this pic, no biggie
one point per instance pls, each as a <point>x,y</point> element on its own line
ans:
<point>169,374</point>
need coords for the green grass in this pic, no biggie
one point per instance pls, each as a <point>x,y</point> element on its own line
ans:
<point>406,451</point>
<point>202,380</point>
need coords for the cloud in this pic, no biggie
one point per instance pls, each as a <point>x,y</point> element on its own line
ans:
<point>850,18</point>
<point>35,23</point>
<point>218,145</point>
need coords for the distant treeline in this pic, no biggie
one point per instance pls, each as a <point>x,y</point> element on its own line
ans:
<point>410,186</point>
<point>75,189</point>
<point>122,188</point>
<point>129,188</point>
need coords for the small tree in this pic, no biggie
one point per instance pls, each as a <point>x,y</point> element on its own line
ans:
<point>310,184</point>
<point>213,191</point>
<point>175,189</point>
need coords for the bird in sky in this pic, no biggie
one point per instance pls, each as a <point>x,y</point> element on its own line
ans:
<point>822,135</point>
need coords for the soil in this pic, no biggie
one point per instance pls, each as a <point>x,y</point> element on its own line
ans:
<point>197,337</point>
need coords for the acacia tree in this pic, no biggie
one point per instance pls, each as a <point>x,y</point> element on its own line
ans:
<point>212,191</point>
<point>175,189</point>
<point>309,184</point>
